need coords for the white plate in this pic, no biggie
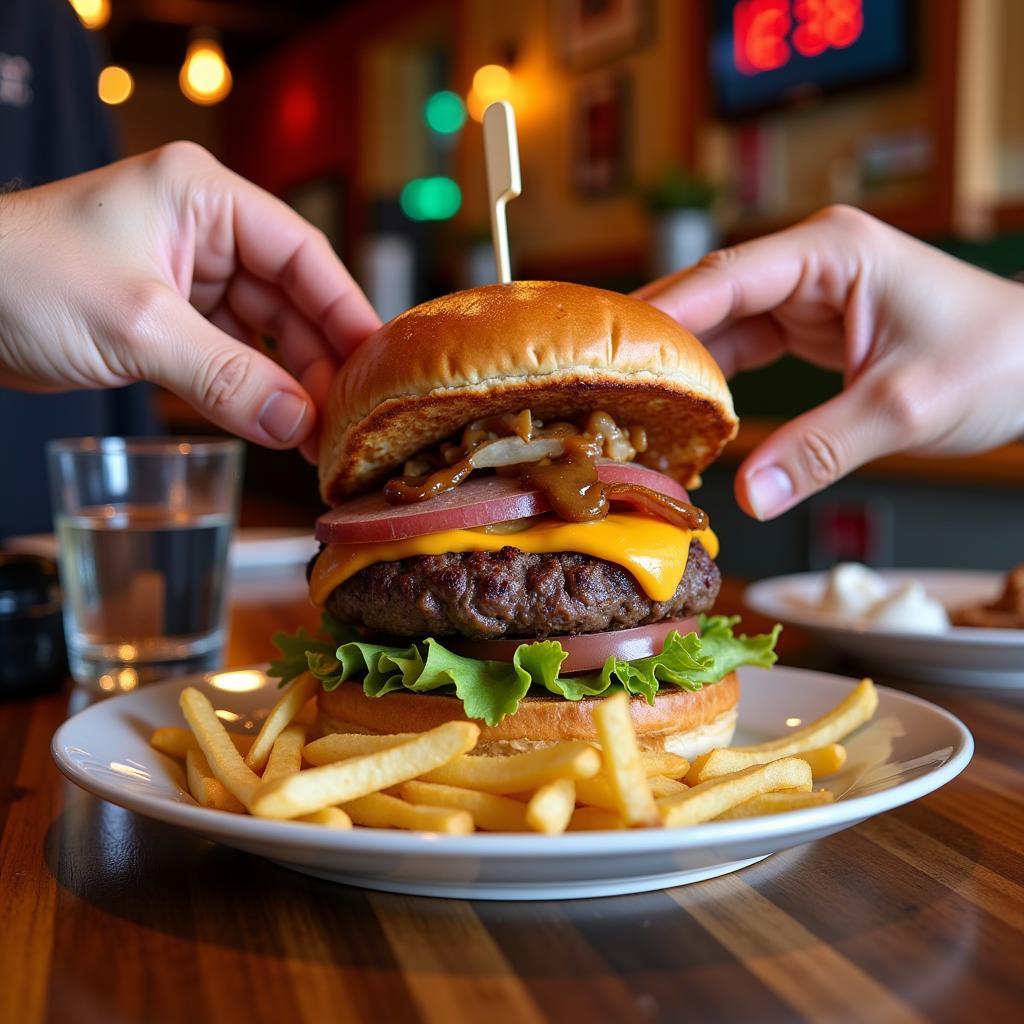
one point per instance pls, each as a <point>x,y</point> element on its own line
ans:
<point>251,548</point>
<point>960,656</point>
<point>910,749</point>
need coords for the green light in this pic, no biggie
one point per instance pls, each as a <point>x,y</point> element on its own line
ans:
<point>445,112</point>
<point>430,199</point>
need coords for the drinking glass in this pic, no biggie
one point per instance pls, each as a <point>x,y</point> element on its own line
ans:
<point>143,527</point>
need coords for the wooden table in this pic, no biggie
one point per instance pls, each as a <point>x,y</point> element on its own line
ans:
<point>108,917</point>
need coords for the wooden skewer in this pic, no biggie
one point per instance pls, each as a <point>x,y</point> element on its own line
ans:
<point>501,153</point>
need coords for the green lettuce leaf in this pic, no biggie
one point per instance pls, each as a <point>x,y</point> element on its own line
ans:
<point>297,648</point>
<point>491,690</point>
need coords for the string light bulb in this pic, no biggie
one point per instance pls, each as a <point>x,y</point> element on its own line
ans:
<point>115,85</point>
<point>93,14</point>
<point>205,77</point>
<point>491,83</point>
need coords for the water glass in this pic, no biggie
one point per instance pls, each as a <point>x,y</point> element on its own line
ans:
<point>143,528</point>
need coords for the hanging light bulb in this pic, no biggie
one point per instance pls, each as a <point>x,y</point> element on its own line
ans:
<point>93,14</point>
<point>205,77</point>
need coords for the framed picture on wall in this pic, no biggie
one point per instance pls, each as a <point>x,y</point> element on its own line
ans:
<point>602,129</point>
<point>321,201</point>
<point>589,33</point>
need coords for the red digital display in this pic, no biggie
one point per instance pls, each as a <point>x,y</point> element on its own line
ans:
<point>766,32</point>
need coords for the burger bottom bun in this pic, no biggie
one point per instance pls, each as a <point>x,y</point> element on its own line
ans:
<point>682,722</point>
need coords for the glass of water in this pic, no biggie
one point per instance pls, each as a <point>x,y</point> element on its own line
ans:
<point>143,527</point>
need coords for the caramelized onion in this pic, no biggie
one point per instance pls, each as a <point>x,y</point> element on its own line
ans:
<point>570,483</point>
<point>559,460</point>
<point>512,451</point>
<point>482,499</point>
<point>678,513</point>
<point>505,451</point>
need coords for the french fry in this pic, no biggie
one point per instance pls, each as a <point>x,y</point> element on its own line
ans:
<point>826,760</point>
<point>597,793</point>
<point>225,761</point>
<point>518,773</point>
<point>379,811</point>
<point>331,784</point>
<point>594,819</point>
<point>716,796</point>
<point>174,741</point>
<point>290,704</point>
<point>851,713</point>
<point>661,762</point>
<point>206,790</point>
<point>286,754</point>
<point>777,803</point>
<point>330,817</point>
<point>551,807</point>
<point>661,786</point>
<point>622,767</point>
<point>491,813</point>
<point>338,746</point>
<point>726,760</point>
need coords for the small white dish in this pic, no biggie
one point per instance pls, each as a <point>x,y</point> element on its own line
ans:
<point>910,749</point>
<point>959,655</point>
<point>251,548</point>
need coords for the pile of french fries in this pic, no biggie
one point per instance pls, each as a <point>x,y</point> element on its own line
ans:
<point>432,782</point>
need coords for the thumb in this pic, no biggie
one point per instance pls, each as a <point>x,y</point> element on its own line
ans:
<point>227,381</point>
<point>871,418</point>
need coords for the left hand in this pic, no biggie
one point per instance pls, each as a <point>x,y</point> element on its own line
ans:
<point>163,267</point>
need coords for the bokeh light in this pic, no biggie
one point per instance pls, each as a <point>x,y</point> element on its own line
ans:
<point>445,112</point>
<point>491,83</point>
<point>115,85</point>
<point>431,199</point>
<point>205,77</point>
<point>93,14</point>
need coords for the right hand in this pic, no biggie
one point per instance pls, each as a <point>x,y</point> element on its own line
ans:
<point>931,349</point>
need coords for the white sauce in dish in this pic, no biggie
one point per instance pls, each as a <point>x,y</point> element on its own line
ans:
<point>859,596</point>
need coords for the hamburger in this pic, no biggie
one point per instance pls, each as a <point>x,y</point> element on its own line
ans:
<point>510,537</point>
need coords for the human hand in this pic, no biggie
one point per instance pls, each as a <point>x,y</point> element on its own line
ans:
<point>162,268</point>
<point>931,349</point>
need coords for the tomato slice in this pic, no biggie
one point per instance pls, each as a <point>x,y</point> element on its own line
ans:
<point>480,501</point>
<point>587,651</point>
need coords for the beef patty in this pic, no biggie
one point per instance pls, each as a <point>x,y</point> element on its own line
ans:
<point>509,593</point>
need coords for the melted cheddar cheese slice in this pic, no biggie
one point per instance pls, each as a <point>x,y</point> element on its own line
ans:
<point>653,551</point>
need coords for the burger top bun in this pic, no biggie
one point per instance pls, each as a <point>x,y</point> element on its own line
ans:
<point>558,349</point>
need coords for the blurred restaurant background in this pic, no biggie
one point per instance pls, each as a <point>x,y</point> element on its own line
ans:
<point>650,132</point>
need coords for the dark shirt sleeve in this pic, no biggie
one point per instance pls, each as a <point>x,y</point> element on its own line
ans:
<point>52,122</point>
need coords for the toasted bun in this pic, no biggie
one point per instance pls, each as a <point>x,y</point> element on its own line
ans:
<point>681,721</point>
<point>558,349</point>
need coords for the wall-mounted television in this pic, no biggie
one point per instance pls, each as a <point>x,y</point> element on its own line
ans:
<point>771,53</point>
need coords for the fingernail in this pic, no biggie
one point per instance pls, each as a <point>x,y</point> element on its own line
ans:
<point>282,415</point>
<point>770,491</point>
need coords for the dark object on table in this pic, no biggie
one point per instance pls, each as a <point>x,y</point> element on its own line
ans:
<point>32,656</point>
